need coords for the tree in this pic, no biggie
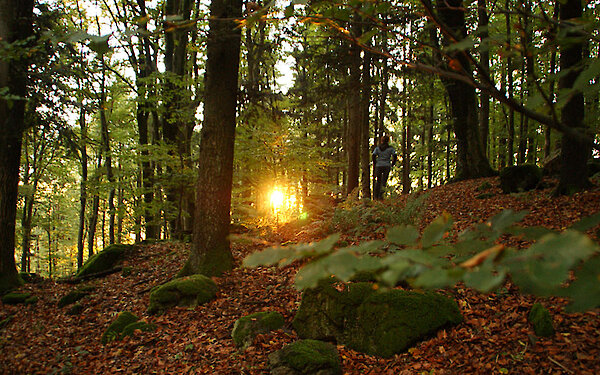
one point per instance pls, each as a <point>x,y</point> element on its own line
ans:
<point>210,253</point>
<point>574,153</point>
<point>15,27</point>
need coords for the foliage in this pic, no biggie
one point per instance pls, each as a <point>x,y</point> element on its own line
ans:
<point>356,215</point>
<point>434,259</point>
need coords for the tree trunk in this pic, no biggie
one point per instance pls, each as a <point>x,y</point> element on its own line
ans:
<point>210,253</point>
<point>354,118</point>
<point>365,151</point>
<point>574,153</point>
<point>93,219</point>
<point>82,187</point>
<point>105,136</point>
<point>15,24</point>
<point>509,78</point>
<point>484,56</point>
<point>471,161</point>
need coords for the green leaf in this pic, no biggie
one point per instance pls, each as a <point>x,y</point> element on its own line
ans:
<point>484,278</point>
<point>436,230</point>
<point>415,256</point>
<point>586,223</point>
<point>403,235</point>
<point>585,291</point>
<point>396,272</point>
<point>529,233</point>
<point>309,275</point>
<point>289,11</point>
<point>99,44</point>
<point>462,45</point>
<point>436,278</point>
<point>326,245</point>
<point>588,74</point>
<point>507,218</point>
<point>268,257</point>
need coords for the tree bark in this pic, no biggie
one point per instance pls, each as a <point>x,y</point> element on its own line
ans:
<point>471,159</point>
<point>210,253</point>
<point>484,56</point>
<point>15,24</point>
<point>574,153</point>
<point>365,151</point>
<point>354,118</point>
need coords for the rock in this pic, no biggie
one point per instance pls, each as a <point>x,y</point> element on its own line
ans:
<point>388,323</point>
<point>551,164</point>
<point>520,178</point>
<point>247,327</point>
<point>104,260</point>
<point>76,309</point>
<point>139,325</point>
<point>14,298</point>
<point>378,323</point>
<point>306,357</point>
<point>115,329</point>
<point>4,322</point>
<point>71,297</point>
<point>31,278</point>
<point>541,320</point>
<point>185,291</point>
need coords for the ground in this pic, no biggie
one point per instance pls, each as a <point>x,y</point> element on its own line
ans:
<point>495,337</point>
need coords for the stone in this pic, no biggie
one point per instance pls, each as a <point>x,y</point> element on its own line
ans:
<point>246,328</point>
<point>76,309</point>
<point>188,291</point>
<point>115,329</point>
<point>520,178</point>
<point>306,357</point>
<point>104,260</point>
<point>390,322</point>
<point>541,320</point>
<point>71,297</point>
<point>139,325</point>
<point>14,298</point>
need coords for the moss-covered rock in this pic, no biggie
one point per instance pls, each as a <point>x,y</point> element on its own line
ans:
<point>324,310</point>
<point>115,329</point>
<point>4,322</point>
<point>126,271</point>
<point>541,320</point>
<point>246,328</point>
<point>30,277</point>
<point>520,178</point>
<point>71,297</point>
<point>390,322</point>
<point>9,281</point>
<point>104,260</point>
<point>76,309</point>
<point>139,325</point>
<point>306,357</point>
<point>185,291</point>
<point>31,300</point>
<point>14,298</point>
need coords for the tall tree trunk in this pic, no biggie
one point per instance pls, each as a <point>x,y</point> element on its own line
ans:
<point>354,117</point>
<point>574,153</point>
<point>93,219</point>
<point>210,253</point>
<point>82,186</point>
<point>471,159</point>
<point>484,57</point>
<point>430,144</point>
<point>365,151</point>
<point>15,24</point>
<point>105,136</point>
<point>510,80</point>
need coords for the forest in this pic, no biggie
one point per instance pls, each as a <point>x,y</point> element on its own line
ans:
<point>228,144</point>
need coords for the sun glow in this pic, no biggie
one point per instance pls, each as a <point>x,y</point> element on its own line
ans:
<point>277,199</point>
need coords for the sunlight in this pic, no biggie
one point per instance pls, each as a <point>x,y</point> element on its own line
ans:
<point>277,199</point>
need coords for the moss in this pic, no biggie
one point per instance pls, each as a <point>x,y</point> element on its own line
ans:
<point>484,186</point>
<point>9,281</point>
<point>520,178</point>
<point>4,322</point>
<point>76,309</point>
<point>321,313</point>
<point>308,357</point>
<point>390,322</point>
<point>115,329</point>
<point>14,298</point>
<point>541,319</point>
<point>31,300</point>
<point>485,196</point>
<point>71,297</point>
<point>247,327</point>
<point>104,260</point>
<point>88,288</point>
<point>186,291</point>
<point>30,277</point>
<point>131,328</point>
<point>126,271</point>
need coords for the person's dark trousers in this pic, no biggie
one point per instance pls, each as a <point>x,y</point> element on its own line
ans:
<point>381,177</point>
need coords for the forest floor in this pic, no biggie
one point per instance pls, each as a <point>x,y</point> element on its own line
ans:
<point>495,337</point>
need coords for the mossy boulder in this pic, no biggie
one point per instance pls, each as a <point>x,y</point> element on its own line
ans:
<point>324,310</point>
<point>185,291</point>
<point>4,322</point>
<point>390,322</point>
<point>541,320</point>
<point>306,357</point>
<point>520,178</point>
<point>14,298</point>
<point>76,309</point>
<point>104,260</point>
<point>370,321</point>
<point>139,325</point>
<point>114,330</point>
<point>30,277</point>
<point>246,328</point>
<point>72,297</point>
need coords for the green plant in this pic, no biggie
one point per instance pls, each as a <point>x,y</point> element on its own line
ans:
<point>432,260</point>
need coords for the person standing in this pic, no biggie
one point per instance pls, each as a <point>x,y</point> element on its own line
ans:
<point>384,157</point>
